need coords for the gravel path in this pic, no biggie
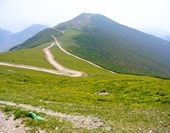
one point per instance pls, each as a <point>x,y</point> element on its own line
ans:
<point>79,121</point>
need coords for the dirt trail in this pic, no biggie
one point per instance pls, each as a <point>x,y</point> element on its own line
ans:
<point>60,70</point>
<point>31,67</point>
<point>58,44</point>
<point>79,121</point>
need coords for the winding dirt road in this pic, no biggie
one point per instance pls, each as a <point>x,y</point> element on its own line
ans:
<point>60,70</point>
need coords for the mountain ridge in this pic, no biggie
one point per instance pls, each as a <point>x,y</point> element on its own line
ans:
<point>13,39</point>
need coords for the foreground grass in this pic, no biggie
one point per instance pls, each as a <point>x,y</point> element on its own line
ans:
<point>134,103</point>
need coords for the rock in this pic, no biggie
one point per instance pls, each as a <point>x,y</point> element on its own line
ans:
<point>134,98</point>
<point>102,93</point>
<point>108,128</point>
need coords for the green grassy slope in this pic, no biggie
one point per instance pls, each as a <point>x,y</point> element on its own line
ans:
<point>33,57</point>
<point>116,47</point>
<point>134,103</point>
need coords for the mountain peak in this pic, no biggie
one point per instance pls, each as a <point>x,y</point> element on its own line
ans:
<point>86,21</point>
<point>83,15</point>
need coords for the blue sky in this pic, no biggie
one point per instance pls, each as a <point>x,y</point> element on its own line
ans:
<point>16,15</point>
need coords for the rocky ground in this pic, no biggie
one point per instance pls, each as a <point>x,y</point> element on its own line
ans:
<point>9,125</point>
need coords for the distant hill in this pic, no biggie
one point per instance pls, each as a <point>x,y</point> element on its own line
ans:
<point>156,32</point>
<point>167,38</point>
<point>109,44</point>
<point>3,34</point>
<point>10,40</point>
<point>42,37</point>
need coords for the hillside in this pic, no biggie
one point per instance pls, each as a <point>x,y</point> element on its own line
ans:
<point>109,44</point>
<point>16,38</point>
<point>115,46</point>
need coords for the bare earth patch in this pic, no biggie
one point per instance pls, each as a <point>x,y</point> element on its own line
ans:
<point>79,121</point>
<point>8,125</point>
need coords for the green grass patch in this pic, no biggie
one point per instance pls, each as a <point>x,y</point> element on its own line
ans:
<point>33,57</point>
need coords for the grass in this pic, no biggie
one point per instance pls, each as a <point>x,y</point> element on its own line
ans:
<point>121,111</point>
<point>33,57</point>
<point>134,103</point>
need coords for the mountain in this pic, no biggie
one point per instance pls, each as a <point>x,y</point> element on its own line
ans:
<point>156,32</point>
<point>167,38</point>
<point>111,45</point>
<point>3,34</point>
<point>11,40</point>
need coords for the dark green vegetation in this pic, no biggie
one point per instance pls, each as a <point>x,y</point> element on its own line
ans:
<point>12,39</point>
<point>134,103</point>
